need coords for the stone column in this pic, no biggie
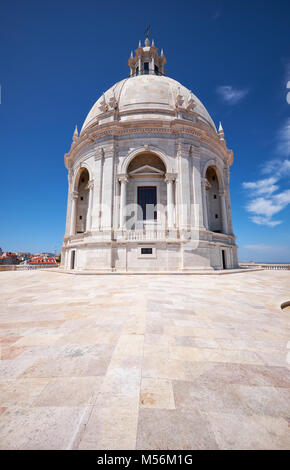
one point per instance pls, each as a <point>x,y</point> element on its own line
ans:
<point>170,202</point>
<point>228,199</point>
<point>224,212</point>
<point>89,213</point>
<point>73,212</point>
<point>100,171</point>
<point>108,189</point>
<point>123,200</point>
<point>69,202</point>
<point>199,223</point>
<point>184,184</point>
<point>204,203</point>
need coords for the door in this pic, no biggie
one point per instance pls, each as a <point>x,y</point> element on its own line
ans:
<point>73,257</point>
<point>224,259</point>
<point>147,195</point>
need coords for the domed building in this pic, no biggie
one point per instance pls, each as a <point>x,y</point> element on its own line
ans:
<point>148,179</point>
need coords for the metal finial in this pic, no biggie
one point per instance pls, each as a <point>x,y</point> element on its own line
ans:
<point>146,32</point>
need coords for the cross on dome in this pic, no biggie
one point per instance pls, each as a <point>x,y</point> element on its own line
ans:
<point>147,61</point>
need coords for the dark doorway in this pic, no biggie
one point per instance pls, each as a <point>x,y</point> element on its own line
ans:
<point>147,196</point>
<point>224,259</point>
<point>73,257</point>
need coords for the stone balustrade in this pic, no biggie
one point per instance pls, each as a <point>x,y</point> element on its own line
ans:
<point>278,267</point>
<point>140,235</point>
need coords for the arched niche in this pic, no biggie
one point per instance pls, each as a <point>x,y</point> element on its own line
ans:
<point>146,159</point>
<point>123,168</point>
<point>214,210</point>
<point>82,189</point>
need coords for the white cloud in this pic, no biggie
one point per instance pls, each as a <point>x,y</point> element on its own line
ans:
<point>266,186</point>
<point>264,200</point>
<point>278,167</point>
<point>283,199</point>
<point>264,208</point>
<point>258,220</point>
<point>231,95</point>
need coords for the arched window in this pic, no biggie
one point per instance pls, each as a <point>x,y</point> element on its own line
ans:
<point>146,188</point>
<point>214,212</point>
<point>82,201</point>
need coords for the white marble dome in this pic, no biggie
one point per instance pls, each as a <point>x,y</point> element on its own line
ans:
<point>148,179</point>
<point>136,96</point>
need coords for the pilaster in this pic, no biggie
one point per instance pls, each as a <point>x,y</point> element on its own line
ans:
<point>108,189</point>
<point>200,220</point>
<point>97,194</point>
<point>184,206</point>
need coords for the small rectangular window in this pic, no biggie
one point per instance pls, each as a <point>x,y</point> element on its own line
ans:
<point>146,251</point>
<point>81,217</point>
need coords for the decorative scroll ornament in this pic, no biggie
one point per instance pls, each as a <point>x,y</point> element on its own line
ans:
<point>179,99</point>
<point>104,106</point>
<point>191,103</point>
<point>113,103</point>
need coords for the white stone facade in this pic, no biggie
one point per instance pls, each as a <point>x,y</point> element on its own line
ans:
<point>148,138</point>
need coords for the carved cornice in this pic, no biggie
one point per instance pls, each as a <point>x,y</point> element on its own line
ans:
<point>203,133</point>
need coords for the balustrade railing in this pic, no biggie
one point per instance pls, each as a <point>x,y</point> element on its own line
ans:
<point>284,267</point>
<point>272,267</point>
<point>145,235</point>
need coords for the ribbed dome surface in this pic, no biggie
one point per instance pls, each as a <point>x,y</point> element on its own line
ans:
<point>136,96</point>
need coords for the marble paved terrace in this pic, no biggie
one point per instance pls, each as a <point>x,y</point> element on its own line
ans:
<point>146,362</point>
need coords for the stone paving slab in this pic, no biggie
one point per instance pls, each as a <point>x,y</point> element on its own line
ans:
<point>144,361</point>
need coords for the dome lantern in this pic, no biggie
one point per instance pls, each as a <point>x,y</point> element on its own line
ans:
<point>147,61</point>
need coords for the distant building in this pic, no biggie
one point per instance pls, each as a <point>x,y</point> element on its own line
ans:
<point>42,260</point>
<point>22,256</point>
<point>8,258</point>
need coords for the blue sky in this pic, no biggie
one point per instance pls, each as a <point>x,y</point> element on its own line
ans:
<point>58,57</point>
